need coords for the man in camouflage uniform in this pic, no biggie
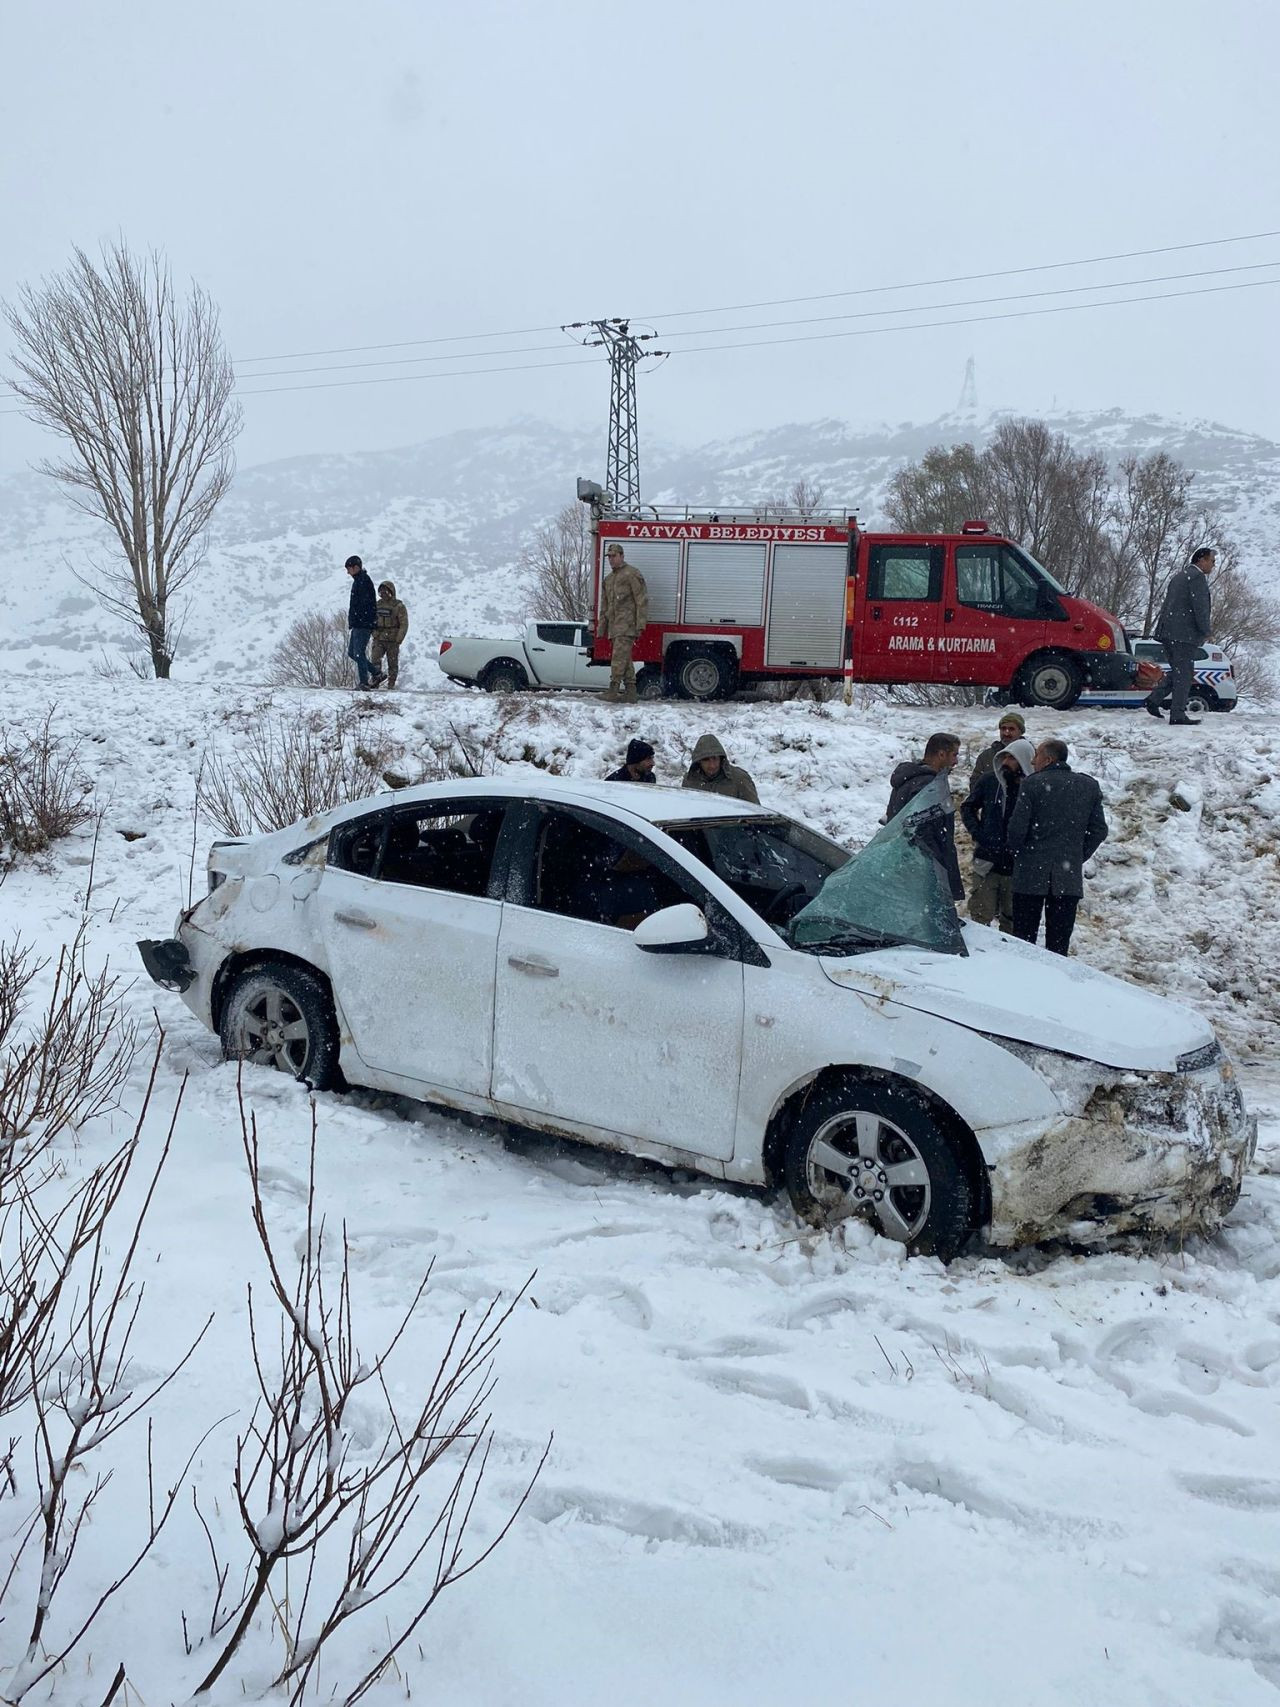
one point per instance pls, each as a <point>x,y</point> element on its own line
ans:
<point>624,613</point>
<point>388,635</point>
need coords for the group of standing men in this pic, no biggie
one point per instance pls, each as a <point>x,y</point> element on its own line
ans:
<point>375,621</point>
<point>1035,824</point>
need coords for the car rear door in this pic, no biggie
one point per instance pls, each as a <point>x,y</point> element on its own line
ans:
<point>411,936</point>
<point>593,1033</point>
<point>896,610</point>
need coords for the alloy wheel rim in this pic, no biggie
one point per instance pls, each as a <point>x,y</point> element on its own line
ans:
<point>862,1164</point>
<point>272,1032</point>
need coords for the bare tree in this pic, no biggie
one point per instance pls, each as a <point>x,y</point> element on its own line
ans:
<point>313,654</point>
<point>558,566</point>
<point>938,494</point>
<point>807,496</point>
<point>138,385</point>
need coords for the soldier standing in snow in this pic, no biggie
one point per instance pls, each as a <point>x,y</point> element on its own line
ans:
<point>1056,828</point>
<point>1183,627</point>
<point>362,617</point>
<point>392,624</point>
<point>624,614</point>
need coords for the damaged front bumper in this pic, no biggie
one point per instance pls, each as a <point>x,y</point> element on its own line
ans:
<point>168,963</point>
<point>1153,1154</point>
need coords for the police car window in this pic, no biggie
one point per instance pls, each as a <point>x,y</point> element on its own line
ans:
<point>903,572</point>
<point>558,633</point>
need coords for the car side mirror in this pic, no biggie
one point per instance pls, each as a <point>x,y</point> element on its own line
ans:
<point>681,929</point>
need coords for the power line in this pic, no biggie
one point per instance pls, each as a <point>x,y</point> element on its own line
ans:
<point>964,278</point>
<point>764,343</point>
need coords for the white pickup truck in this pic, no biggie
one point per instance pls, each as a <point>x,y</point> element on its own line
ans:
<point>547,655</point>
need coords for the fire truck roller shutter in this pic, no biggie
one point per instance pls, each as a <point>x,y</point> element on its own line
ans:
<point>806,607</point>
<point>658,560</point>
<point>724,583</point>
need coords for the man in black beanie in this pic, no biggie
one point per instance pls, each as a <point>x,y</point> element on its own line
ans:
<point>638,766</point>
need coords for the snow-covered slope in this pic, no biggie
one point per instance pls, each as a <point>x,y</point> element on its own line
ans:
<point>446,521</point>
<point>786,1466</point>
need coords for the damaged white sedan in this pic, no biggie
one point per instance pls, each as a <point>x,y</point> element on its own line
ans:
<point>716,986</point>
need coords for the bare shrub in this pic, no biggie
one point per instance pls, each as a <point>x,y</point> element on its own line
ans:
<point>44,793</point>
<point>292,766</point>
<point>302,1490</point>
<point>313,654</point>
<point>557,564</point>
<point>139,387</point>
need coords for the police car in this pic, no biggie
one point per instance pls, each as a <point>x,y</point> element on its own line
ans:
<point>1213,683</point>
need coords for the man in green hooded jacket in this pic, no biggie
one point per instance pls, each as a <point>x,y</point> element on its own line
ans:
<point>710,770</point>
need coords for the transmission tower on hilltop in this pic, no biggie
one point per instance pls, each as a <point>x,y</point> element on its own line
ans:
<point>622,466</point>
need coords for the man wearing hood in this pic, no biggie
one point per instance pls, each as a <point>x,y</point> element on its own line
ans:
<point>388,634</point>
<point>986,814</point>
<point>710,770</point>
<point>940,754</point>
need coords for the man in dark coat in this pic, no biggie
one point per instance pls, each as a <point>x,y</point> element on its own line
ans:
<point>1056,828</point>
<point>362,618</point>
<point>1183,627</point>
<point>986,814</point>
<point>940,754</point>
<point>637,766</point>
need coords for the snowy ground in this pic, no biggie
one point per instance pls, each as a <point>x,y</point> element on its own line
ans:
<point>785,1466</point>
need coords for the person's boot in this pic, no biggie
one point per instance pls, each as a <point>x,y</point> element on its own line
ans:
<point>1154,709</point>
<point>1186,722</point>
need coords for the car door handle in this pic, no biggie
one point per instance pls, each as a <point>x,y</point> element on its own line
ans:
<point>357,920</point>
<point>948,616</point>
<point>539,968</point>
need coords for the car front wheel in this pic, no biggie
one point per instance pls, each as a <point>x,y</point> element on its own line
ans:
<point>281,1016</point>
<point>875,1150</point>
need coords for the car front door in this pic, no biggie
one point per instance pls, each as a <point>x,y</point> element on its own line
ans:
<point>591,1031</point>
<point>896,612</point>
<point>411,935</point>
<point>587,673</point>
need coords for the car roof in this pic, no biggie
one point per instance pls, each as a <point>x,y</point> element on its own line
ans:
<point>650,802</point>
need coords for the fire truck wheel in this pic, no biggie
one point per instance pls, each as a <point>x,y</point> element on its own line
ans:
<point>1052,679</point>
<point>704,673</point>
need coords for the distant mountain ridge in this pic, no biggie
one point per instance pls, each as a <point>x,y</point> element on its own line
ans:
<point>446,520</point>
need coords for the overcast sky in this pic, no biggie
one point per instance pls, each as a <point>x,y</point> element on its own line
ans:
<point>345,175</point>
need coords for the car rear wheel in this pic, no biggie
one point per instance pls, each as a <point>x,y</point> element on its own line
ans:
<point>1201,700</point>
<point>876,1150</point>
<point>505,678</point>
<point>281,1016</point>
<point>1053,679</point>
<point>649,683</point>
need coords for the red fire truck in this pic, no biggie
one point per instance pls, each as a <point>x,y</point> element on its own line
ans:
<point>747,597</point>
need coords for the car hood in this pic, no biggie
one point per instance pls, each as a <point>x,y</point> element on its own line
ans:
<point>1009,989</point>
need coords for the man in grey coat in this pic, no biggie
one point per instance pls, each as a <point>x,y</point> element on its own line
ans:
<point>1182,629</point>
<point>1056,828</point>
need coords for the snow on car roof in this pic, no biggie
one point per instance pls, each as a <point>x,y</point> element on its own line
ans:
<point>654,804</point>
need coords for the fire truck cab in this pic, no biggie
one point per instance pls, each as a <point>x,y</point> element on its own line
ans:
<point>747,597</point>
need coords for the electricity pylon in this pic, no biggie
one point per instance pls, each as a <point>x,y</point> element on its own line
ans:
<point>622,466</point>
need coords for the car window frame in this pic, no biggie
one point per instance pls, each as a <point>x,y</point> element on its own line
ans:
<point>728,938</point>
<point>382,819</point>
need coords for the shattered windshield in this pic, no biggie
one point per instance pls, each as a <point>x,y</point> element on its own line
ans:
<point>894,892</point>
<point>773,864</point>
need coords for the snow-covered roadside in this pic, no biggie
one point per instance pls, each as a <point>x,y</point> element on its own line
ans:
<point>783,1464</point>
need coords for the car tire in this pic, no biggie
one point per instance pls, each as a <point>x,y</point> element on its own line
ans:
<point>649,684</point>
<point>704,673</point>
<point>1201,701</point>
<point>505,677</point>
<point>277,1015</point>
<point>1054,679</point>
<point>884,1131</point>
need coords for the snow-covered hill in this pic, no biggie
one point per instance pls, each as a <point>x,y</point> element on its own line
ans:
<point>785,1465</point>
<point>446,521</point>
